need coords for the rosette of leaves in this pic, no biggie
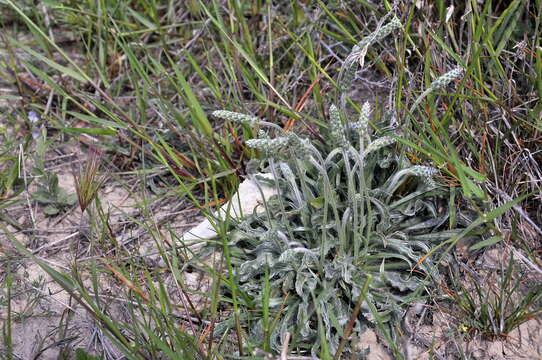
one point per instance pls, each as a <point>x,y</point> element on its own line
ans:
<point>347,208</point>
<point>50,194</point>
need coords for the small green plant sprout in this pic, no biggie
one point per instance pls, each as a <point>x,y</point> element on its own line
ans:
<point>52,196</point>
<point>48,192</point>
<point>10,181</point>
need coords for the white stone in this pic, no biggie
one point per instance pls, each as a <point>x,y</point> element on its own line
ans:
<point>249,198</point>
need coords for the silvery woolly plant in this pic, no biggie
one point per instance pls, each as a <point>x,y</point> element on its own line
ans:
<point>346,209</point>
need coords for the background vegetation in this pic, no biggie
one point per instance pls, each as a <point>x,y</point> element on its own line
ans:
<point>134,82</point>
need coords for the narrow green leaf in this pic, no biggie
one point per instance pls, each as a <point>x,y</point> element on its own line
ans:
<point>200,120</point>
<point>62,69</point>
<point>488,242</point>
<point>81,354</point>
<point>318,202</point>
<point>97,120</point>
<point>89,131</point>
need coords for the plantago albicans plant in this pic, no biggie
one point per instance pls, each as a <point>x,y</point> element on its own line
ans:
<point>347,210</point>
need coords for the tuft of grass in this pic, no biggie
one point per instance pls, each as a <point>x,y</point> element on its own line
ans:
<point>87,181</point>
<point>493,306</point>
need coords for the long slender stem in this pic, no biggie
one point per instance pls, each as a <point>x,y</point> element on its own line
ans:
<point>350,325</point>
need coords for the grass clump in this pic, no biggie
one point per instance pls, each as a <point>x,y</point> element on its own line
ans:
<point>490,306</point>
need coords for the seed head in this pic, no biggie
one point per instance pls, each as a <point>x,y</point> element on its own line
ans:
<point>378,144</point>
<point>364,118</point>
<point>299,146</point>
<point>425,172</point>
<point>237,117</point>
<point>378,34</point>
<point>336,127</point>
<point>446,78</point>
<point>268,146</point>
<point>357,55</point>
